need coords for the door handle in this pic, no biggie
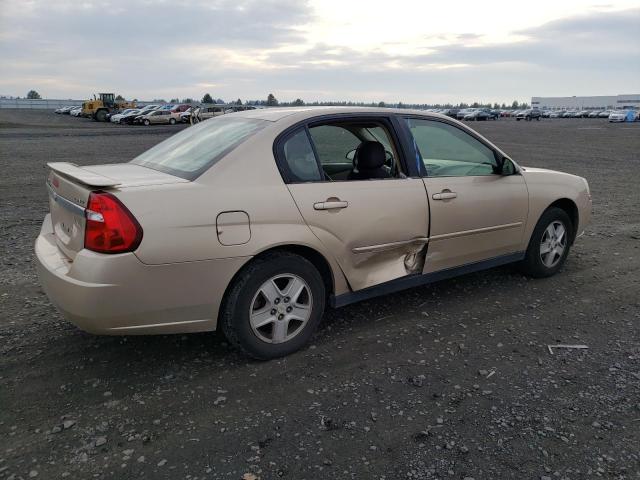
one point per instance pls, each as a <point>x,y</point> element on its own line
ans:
<point>444,195</point>
<point>330,205</point>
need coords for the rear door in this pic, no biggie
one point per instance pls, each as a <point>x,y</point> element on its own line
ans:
<point>375,228</point>
<point>477,213</point>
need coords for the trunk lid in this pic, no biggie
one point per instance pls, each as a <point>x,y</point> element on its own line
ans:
<point>70,185</point>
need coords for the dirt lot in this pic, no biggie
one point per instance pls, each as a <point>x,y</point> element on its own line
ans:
<point>451,380</point>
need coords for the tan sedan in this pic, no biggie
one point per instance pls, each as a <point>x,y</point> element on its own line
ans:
<point>253,221</point>
<point>157,117</point>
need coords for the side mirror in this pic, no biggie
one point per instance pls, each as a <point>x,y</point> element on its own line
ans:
<point>508,167</point>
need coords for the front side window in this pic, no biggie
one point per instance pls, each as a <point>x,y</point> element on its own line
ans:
<point>447,151</point>
<point>190,152</point>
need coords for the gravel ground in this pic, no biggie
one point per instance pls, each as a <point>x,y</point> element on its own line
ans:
<point>451,380</point>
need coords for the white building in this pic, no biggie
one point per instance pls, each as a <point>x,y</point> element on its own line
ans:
<point>588,103</point>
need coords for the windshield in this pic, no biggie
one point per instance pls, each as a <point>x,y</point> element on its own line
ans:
<point>192,151</point>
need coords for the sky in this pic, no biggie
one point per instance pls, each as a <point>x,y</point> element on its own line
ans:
<point>404,50</point>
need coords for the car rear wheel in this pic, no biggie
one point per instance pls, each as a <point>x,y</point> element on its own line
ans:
<point>549,244</point>
<point>172,121</point>
<point>273,306</point>
<point>147,122</point>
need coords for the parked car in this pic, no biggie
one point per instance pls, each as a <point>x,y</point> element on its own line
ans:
<point>450,112</point>
<point>130,117</point>
<point>67,109</point>
<point>477,115</point>
<point>181,239</point>
<point>462,112</point>
<point>529,114</point>
<point>109,116</point>
<point>183,107</point>
<point>156,117</point>
<point>605,114</point>
<point>75,112</point>
<point>143,111</point>
<point>115,118</point>
<point>618,116</point>
<point>149,108</point>
<point>594,113</point>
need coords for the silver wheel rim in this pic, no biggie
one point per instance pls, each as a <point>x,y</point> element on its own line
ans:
<point>553,244</point>
<point>281,308</point>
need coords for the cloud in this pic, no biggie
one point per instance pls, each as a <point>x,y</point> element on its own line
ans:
<point>249,48</point>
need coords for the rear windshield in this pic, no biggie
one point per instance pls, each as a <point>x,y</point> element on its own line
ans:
<point>189,153</point>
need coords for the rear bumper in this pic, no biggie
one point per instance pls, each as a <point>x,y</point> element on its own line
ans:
<point>120,295</point>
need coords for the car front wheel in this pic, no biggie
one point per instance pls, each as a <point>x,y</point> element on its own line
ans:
<point>549,244</point>
<point>273,306</point>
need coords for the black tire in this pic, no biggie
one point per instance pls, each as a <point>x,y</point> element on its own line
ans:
<point>517,119</point>
<point>532,265</point>
<point>146,122</point>
<point>121,122</point>
<point>234,312</point>
<point>172,121</point>
<point>101,116</point>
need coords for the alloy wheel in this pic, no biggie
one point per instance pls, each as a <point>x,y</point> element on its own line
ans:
<point>553,244</point>
<point>281,308</point>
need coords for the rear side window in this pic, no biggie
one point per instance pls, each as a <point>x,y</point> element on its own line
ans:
<point>300,158</point>
<point>189,153</point>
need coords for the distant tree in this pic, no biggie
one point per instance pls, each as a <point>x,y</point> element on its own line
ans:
<point>515,104</point>
<point>135,100</point>
<point>298,102</point>
<point>120,98</point>
<point>188,100</point>
<point>33,95</point>
<point>496,106</point>
<point>174,100</point>
<point>401,105</point>
<point>238,102</point>
<point>271,100</point>
<point>159,100</point>
<point>207,98</point>
<point>524,105</point>
<point>382,104</point>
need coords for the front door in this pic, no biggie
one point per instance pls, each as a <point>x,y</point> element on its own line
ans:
<point>477,213</point>
<point>374,220</point>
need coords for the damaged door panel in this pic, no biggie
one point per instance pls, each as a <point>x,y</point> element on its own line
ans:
<point>377,229</point>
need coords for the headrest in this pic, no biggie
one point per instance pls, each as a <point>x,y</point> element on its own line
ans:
<point>369,156</point>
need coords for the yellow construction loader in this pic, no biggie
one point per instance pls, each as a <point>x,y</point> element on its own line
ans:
<point>105,103</point>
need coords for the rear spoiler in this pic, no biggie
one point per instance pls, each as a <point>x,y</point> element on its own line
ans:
<point>82,174</point>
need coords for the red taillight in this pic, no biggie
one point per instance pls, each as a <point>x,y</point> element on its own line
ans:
<point>110,227</point>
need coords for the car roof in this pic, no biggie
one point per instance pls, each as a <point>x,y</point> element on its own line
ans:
<point>275,114</point>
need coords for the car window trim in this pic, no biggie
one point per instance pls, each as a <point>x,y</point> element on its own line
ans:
<point>386,119</point>
<point>499,156</point>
